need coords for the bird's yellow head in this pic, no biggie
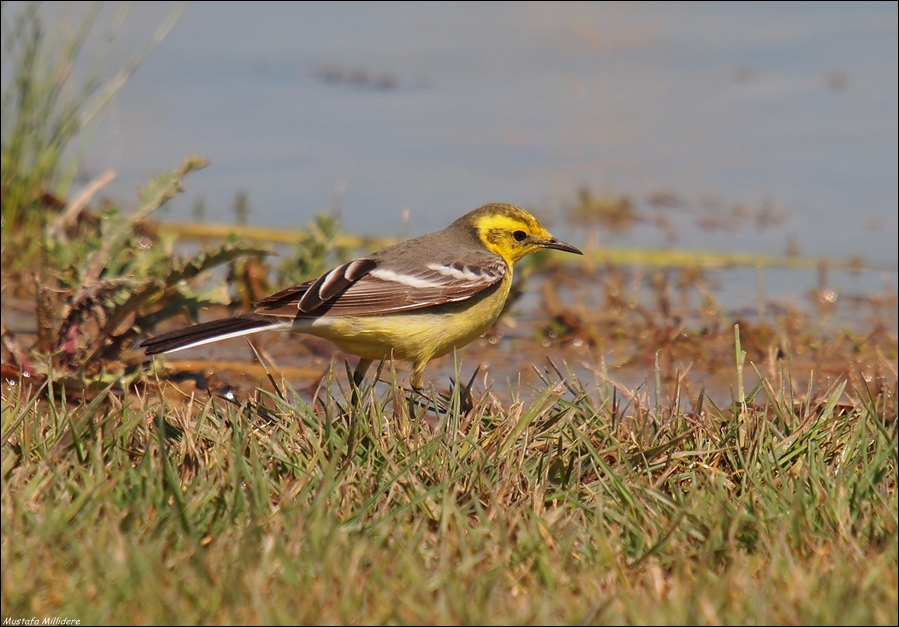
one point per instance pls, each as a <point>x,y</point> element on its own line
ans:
<point>511,232</point>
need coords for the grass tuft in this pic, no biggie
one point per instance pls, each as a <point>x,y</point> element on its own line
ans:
<point>568,508</point>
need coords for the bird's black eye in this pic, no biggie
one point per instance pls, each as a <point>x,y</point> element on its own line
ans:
<point>519,236</point>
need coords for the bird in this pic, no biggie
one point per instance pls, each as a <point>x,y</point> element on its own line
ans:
<point>413,301</point>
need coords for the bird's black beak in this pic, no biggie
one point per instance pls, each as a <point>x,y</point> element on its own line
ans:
<point>557,245</point>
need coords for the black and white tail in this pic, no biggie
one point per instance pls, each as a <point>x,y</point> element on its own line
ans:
<point>209,332</point>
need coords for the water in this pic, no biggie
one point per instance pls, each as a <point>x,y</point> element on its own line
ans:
<point>375,110</point>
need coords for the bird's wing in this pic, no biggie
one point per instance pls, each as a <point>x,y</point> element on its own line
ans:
<point>366,287</point>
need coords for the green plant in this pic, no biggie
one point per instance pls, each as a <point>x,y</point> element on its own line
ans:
<point>107,279</point>
<point>311,252</point>
<point>47,107</point>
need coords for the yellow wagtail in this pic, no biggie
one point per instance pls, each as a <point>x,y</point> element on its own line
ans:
<point>413,301</point>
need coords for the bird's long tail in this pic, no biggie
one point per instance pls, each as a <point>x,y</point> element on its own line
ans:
<point>209,332</point>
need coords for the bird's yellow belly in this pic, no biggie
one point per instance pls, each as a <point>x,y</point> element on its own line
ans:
<point>415,336</point>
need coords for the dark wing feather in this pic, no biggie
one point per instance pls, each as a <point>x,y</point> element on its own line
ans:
<point>375,288</point>
<point>309,296</point>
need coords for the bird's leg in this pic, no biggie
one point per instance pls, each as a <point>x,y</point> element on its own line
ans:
<point>352,415</point>
<point>358,377</point>
<point>359,372</point>
<point>413,403</point>
<point>418,382</point>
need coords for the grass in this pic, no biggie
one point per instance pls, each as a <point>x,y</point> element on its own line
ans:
<point>123,502</point>
<point>576,507</point>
